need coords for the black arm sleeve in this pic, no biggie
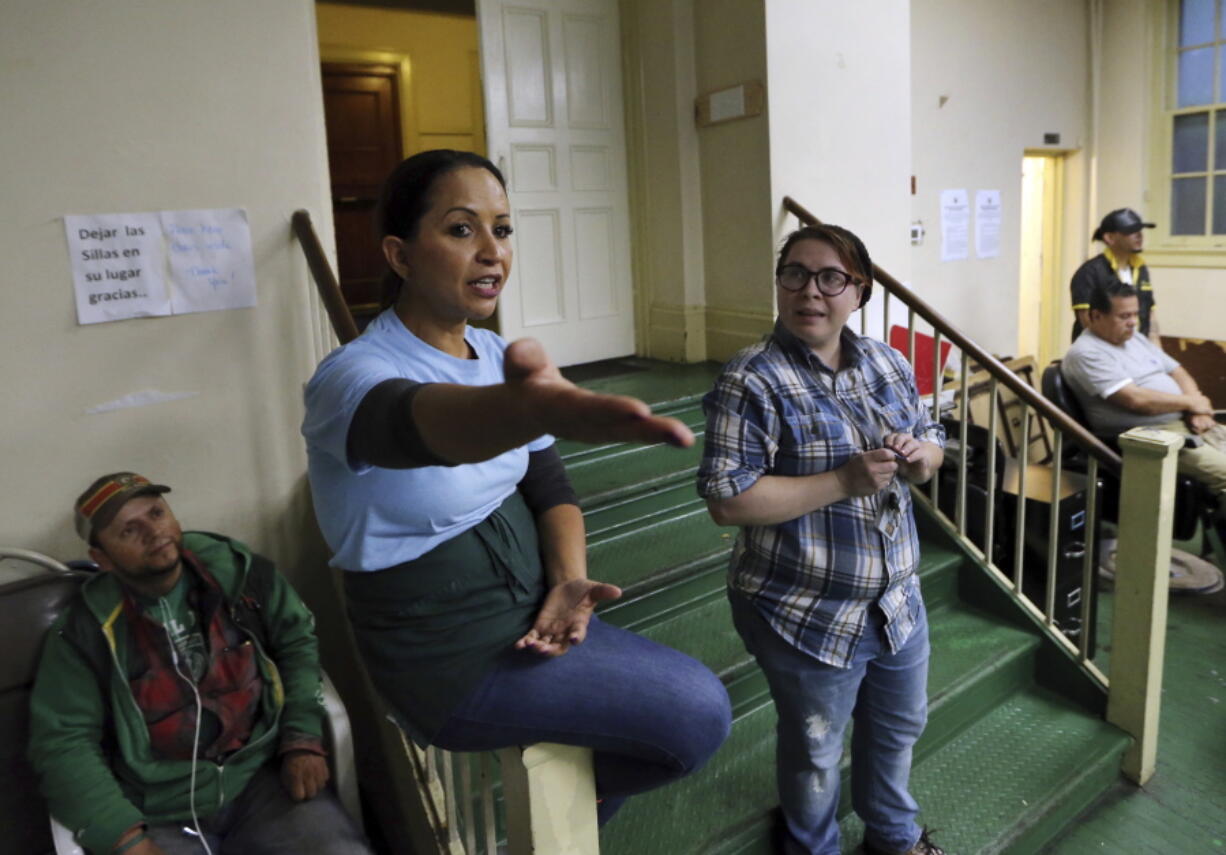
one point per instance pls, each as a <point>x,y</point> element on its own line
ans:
<point>383,433</point>
<point>546,484</point>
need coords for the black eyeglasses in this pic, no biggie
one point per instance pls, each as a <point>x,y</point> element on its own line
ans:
<point>830,280</point>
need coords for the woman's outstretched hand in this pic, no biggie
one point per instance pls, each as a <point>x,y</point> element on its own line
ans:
<point>563,409</point>
<point>563,618</point>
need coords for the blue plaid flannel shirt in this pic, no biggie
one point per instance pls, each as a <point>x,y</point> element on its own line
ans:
<point>776,409</point>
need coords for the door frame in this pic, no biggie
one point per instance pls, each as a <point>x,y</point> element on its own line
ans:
<point>1053,292</point>
<point>404,79</point>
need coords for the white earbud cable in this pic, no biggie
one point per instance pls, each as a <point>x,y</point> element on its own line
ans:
<point>174,658</point>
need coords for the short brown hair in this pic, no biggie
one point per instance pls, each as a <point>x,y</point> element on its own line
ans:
<point>849,248</point>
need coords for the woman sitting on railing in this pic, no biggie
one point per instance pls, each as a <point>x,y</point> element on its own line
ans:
<point>807,433</point>
<point>440,493</point>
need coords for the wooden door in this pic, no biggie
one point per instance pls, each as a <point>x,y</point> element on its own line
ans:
<point>554,124</point>
<point>362,114</point>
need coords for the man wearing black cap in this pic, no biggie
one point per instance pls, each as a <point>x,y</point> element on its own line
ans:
<point>176,707</point>
<point>1120,261</point>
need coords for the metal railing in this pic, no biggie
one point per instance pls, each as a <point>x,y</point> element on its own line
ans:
<point>459,793</point>
<point>521,800</point>
<point>1029,482</point>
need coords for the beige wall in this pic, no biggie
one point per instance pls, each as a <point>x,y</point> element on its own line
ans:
<point>840,129</point>
<point>1123,145</point>
<point>132,106</point>
<point>135,106</point>
<point>730,48</point>
<point>666,192</point>
<point>1185,296</point>
<point>988,80</point>
<point>445,109</point>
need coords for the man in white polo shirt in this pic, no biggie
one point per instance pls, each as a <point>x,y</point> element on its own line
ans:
<point>1124,381</point>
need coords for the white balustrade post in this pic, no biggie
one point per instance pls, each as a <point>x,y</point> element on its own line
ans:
<point>1142,584</point>
<point>550,796</point>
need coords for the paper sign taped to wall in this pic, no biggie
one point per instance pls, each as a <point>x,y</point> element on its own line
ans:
<point>955,225</point>
<point>987,223</point>
<point>150,264</point>
<point>117,266</point>
<point>210,260</point>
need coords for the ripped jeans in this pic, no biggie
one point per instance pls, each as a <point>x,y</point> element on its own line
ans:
<point>886,693</point>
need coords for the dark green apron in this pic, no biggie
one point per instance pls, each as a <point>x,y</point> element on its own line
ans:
<point>431,628</point>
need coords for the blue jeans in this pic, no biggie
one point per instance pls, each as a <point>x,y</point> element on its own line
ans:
<point>650,713</point>
<point>886,693</point>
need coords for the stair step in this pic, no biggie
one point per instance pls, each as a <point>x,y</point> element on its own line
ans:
<point>653,535</point>
<point>705,632</point>
<point>1012,779</point>
<point>665,381</point>
<point>1002,765</point>
<point>695,815</point>
<point>621,470</point>
<point>688,410</point>
<point>691,613</point>
<point>938,572</point>
<point>976,662</point>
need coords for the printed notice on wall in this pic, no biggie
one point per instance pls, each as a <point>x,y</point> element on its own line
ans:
<point>987,223</point>
<point>117,266</point>
<point>955,225</point>
<point>150,264</point>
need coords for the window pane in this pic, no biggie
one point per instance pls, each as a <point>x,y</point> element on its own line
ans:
<point>1196,77</point>
<point>1219,140</point>
<point>1188,206</point>
<point>1219,205</point>
<point>1195,22</point>
<point>1190,143</point>
<point>1221,72</point>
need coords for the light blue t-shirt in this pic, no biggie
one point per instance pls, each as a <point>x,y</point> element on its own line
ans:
<point>374,518</point>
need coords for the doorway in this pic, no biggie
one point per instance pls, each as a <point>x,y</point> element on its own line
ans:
<point>396,81</point>
<point>555,126</point>
<point>1041,294</point>
<point>362,118</point>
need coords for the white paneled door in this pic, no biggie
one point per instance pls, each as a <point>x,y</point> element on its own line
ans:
<point>554,125</point>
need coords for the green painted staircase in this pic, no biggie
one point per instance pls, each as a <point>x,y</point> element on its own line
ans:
<point>1015,746</point>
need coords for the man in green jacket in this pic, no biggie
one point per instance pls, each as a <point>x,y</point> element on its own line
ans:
<point>177,707</point>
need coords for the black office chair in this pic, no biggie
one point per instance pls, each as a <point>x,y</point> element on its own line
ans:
<point>1193,502</point>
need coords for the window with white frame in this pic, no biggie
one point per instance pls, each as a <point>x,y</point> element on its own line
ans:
<point>1197,117</point>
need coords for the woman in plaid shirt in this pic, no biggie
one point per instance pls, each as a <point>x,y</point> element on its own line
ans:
<point>810,437</point>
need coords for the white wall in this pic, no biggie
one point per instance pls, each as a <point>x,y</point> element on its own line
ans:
<point>840,122</point>
<point>1009,71</point>
<point>133,106</point>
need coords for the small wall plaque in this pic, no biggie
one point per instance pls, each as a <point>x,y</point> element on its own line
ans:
<point>729,104</point>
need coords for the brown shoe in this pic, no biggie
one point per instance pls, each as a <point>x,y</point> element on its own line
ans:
<point>923,846</point>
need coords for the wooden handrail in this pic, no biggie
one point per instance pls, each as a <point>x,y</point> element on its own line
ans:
<point>325,280</point>
<point>1056,416</point>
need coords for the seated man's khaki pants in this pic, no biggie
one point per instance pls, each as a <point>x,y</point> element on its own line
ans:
<point>1204,463</point>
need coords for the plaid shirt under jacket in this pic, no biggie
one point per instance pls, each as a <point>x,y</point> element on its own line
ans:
<point>776,409</point>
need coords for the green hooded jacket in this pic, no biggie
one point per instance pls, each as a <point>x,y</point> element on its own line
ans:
<point>88,741</point>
